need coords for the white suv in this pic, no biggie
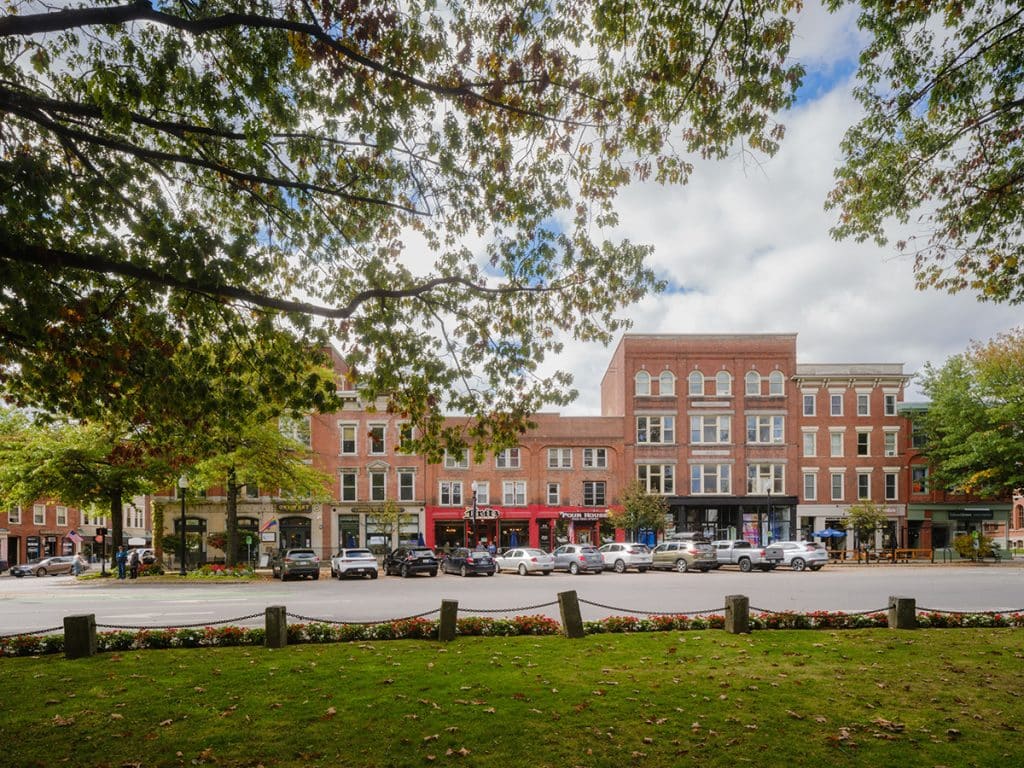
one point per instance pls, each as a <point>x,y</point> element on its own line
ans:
<point>354,562</point>
<point>622,555</point>
<point>799,555</point>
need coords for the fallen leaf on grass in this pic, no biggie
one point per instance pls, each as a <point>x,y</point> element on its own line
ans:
<point>166,722</point>
<point>794,715</point>
<point>63,721</point>
<point>432,737</point>
<point>888,725</point>
<point>116,716</point>
<point>953,734</point>
<point>331,712</point>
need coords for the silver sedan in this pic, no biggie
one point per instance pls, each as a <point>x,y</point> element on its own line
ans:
<point>526,561</point>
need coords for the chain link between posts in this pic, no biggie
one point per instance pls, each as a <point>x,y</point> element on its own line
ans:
<point>182,626</point>
<point>339,622</point>
<point>651,613</point>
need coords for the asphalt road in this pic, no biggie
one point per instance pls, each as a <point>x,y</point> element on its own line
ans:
<point>29,603</point>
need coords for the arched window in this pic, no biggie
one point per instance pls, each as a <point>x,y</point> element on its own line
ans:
<point>643,384</point>
<point>696,380</point>
<point>753,380</point>
<point>776,383</point>
<point>723,384</point>
<point>666,384</point>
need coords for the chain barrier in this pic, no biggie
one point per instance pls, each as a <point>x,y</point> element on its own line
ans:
<point>845,613</point>
<point>339,622</point>
<point>47,631</point>
<point>968,613</point>
<point>651,613</point>
<point>508,610</point>
<point>181,626</point>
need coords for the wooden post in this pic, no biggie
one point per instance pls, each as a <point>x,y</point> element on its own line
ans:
<point>79,636</point>
<point>277,626</point>
<point>737,614</point>
<point>902,613</point>
<point>572,619</point>
<point>449,620</point>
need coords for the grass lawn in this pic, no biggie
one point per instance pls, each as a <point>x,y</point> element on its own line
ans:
<point>778,698</point>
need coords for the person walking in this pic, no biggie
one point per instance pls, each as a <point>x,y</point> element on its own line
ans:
<point>121,559</point>
<point>133,563</point>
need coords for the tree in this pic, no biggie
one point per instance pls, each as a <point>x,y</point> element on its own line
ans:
<point>384,520</point>
<point>431,186</point>
<point>974,426</point>
<point>864,518</point>
<point>640,510</point>
<point>943,90</point>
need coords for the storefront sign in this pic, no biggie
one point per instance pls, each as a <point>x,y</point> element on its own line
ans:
<point>585,516</point>
<point>482,513</point>
<point>293,508</point>
<point>970,514</point>
<point>268,536</point>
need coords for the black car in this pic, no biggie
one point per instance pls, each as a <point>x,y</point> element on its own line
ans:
<point>466,561</point>
<point>408,561</point>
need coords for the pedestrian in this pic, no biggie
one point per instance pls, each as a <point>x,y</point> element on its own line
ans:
<point>133,563</point>
<point>492,550</point>
<point>121,559</point>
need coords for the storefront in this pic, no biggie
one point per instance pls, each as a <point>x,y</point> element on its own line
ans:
<point>937,525</point>
<point>534,525</point>
<point>757,519</point>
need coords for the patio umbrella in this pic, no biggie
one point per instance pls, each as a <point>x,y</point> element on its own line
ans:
<point>829,533</point>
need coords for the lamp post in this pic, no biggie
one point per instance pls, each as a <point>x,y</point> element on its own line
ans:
<point>768,491</point>
<point>472,538</point>
<point>182,488</point>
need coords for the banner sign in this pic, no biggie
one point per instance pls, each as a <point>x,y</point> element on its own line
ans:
<point>584,516</point>
<point>482,513</point>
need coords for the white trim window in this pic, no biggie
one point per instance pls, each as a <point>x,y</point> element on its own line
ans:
<point>863,443</point>
<point>890,448</point>
<point>657,478</point>
<point>836,480</point>
<point>889,405</point>
<point>810,444</point>
<point>723,384</point>
<point>452,461</point>
<point>918,479</point>
<point>642,384</point>
<point>776,384</point>
<point>752,384</point>
<point>810,404</point>
<point>655,430</point>
<point>762,476</point>
<point>554,494</point>
<point>766,430</point>
<point>405,434</point>
<point>348,486</point>
<point>559,458</point>
<point>594,493</point>
<point>666,384</point>
<point>450,493</point>
<point>835,404</point>
<point>810,486</point>
<point>375,444</point>
<point>406,485</point>
<point>710,478</point>
<point>347,432</point>
<point>863,485</point>
<point>14,515</point>
<point>863,404</point>
<point>595,458</point>
<point>62,517</point>
<point>707,429</point>
<point>891,486</point>
<point>835,444</point>
<point>513,493</point>
<point>482,489</point>
<point>510,458</point>
<point>39,514</point>
<point>378,486</point>
<point>297,429</point>
<point>695,384</point>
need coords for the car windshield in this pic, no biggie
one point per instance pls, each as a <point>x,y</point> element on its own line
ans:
<point>589,550</point>
<point>301,553</point>
<point>422,553</point>
<point>535,553</point>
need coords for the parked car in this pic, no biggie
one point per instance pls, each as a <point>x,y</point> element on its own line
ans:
<point>465,561</point>
<point>690,554</point>
<point>619,556</point>
<point>298,563</point>
<point>745,555</point>
<point>146,555</point>
<point>354,562</point>
<point>408,561</point>
<point>578,558</point>
<point>799,555</point>
<point>525,561</point>
<point>51,566</point>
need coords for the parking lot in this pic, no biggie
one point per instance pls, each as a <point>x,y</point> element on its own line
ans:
<point>38,603</point>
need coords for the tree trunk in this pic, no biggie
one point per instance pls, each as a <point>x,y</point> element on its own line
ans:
<point>158,531</point>
<point>116,522</point>
<point>231,547</point>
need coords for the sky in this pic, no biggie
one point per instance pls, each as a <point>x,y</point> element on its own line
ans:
<point>746,248</point>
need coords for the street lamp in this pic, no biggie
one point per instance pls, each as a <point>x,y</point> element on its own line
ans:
<point>472,538</point>
<point>768,491</point>
<point>182,488</point>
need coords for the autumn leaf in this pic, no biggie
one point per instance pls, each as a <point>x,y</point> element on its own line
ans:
<point>166,722</point>
<point>63,721</point>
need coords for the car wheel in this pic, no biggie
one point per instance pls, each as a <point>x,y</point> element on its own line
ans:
<point>405,572</point>
<point>373,574</point>
<point>620,567</point>
<point>574,569</point>
<point>41,572</point>
<point>492,573</point>
<point>462,571</point>
<point>546,573</point>
<point>316,577</point>
<point>682,566</point>
<point>522,569</point>
<point>745,564</point>
<point>433,572</point>
<point>798,564</point>
<point>815,567</point>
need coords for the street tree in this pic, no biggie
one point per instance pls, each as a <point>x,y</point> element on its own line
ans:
<point>864,518</point>
<point>974,425</point>
<point>937,154</point>
<point>639,510</point>
<point>431,184</point>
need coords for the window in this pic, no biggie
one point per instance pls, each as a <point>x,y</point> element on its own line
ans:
<point>696,383</point>
<point>809,405</point>
<point>656,478</point>
<point>863,404</point>
<point>555,494</point>
<point>666,384</point>
<point>835,405</point>
<point>513,493</point>
<point>919,479</point>
<point>837,486</point>
<point>348,486</point>
<point>776,384</point>
<point>451,493</point>
<point>482,490</point>
<point>595,458</point>
<point>835,444</point>
<point>461,461</point>
<point>863,443</point>
<point>376,438</point>
<point>918,438</point>
<point>252,491</point>
<point>406,485</point>
<point>710,478</point>
<point>810,486</point>
<point>753,383</point>
<point>890,443</point>
<point>594,493</point>
<point>559,458</point>
<point>39,514</point>
<point>348,438</point>
<point>810,443</point>
<point>710,429</point>
<point>62,516</point>
<point>14,515</point>
<point>405,435</point>
<point>889,407</point>
<point>510,458</point>
<point>863,485</point>
<point>723,384</point>
<point>891,489</point>
<point>765,429</point>
<point>296,429</point>
<point>377,486</point>
<point>655,429</point>
<point>642,384</point>
<point>761,477</point>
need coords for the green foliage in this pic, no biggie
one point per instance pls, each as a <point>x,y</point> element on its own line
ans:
<point>640,509</point>
<point>940,143</point>
<point>865,517</point>
<point>970,548</point>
